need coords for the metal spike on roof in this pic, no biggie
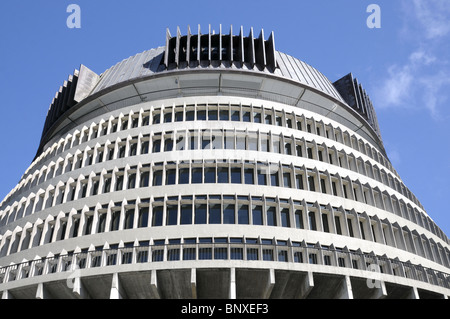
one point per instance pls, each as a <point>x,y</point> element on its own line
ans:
<point>212,47</point>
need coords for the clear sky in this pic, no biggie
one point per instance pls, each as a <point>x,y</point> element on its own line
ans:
<point>404,66</point>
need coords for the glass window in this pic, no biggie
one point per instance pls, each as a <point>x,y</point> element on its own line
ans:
<point>157,216</point>
<point>271,216</point>
<point>183,177</point>
<point>170,177</point>
<point>157,178</point>
<point>172,214</point>
<point>186,214</point>
<point>285,222</point>
<point>236,175</point>
<point>257,215</point>
<point>228,214</point>
<point>143,217</point>
<point>287,179</point>
<point>156,146</point>
<point>190,115</point>
<point>235,115</point>
<point>312,221</point>
<point>212,115</point>
<point>210,175</point>
<point>215,212</point>
<point>129,218</point>
<point>200,214</point>
<point>243,218</point>
<point>248,176</point>
<point>223,175</point>
<point>299,219</point>
<point>201,115</point>
<point>224,115</point>
<point>312,185</point>
<point>274,179</point>
<point>262,177</point>
<point>197,175</point>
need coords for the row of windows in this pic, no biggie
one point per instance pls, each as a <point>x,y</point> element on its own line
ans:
<point>220,209</point>
<point>217,248</point>
<point>212,112</point>
<point>218,139</point>
<point>215,172</point>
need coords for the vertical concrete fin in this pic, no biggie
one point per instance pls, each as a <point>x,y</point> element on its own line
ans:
<point>232,283</point>
<point>41,292</point>
<point>230,45</point>
<point>306,286</point>
<point>154,285</point>
<point>270,284</point>
<point>166,55</point>
<point>270,52</point>
<point>188,46</point>
<point>117,291</point>
<point>194,283</point>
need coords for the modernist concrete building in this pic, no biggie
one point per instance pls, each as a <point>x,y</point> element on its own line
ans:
<point>216,167</point>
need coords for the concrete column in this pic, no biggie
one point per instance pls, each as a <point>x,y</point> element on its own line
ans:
<point>117,291</point>
<point>154,285</point>
<point>42,293</point>
<point>233,283</point>
<point>412,293</point>
<point>270,284</point>
<point>7,295</point>
<point>345,289</point>
<point>306,286</point>
<point>194,283</point>
<point>79,290</point>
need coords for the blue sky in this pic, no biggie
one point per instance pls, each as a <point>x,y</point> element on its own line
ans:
<point>404,66</point>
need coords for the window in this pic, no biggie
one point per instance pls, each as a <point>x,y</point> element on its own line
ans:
<point>197,175</point>
<point>243,215</point>
<point>312,185</point>
<point>271,216</point>
<point>274,179</point>
<point>285,222</point>
<point>312,221</point>
<point>228,214</point>
<point>236,175</point>
<point>115,219</point>
<point>257,215</point>
<point>326,227</point>
<point>248,176</point>
<point>215,212</point>
<point>157,178</point>
<point>210,175</point>
<point>287,179</point>
<point>145,175</point>
<point>200,214</point>
<point>337,221</point>
<point>222,175</point>
<point>183,177</point>
<point>299,219</point>
<point>143,217</point>
<point>186,214</point>
<point>168,144</point>
<point>170,176</point>
<point>129,218</point>
<point>172,214</point>
<point>299,181</point>
<point>157,216</point>
<point>262,177</point>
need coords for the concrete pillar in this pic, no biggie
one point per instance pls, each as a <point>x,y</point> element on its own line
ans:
<point>194,283</point>
<point>306,286</point>
<point>345,289</point>
<point>42,293</point>
<point>270,284</point>
<point>413,293</point>
<point>117,291</point>
<point>233,283</point>
<point>7,295</point>
<point>154,286</point>
<point>79,290</point>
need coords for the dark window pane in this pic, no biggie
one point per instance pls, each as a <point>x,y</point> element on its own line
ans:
<point>223,175</point>
<point>157,216</point>
<point>228,214</point>
<point>186,214</point>
<point>243,215</point>
<point>214,214</point>
<point>183,177</point>
<point>271,216</point>
<point>200,214</point>
<point>257,215</point>
<point>248,175</point>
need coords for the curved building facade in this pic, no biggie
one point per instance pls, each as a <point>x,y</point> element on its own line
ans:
<point>216,167</point>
